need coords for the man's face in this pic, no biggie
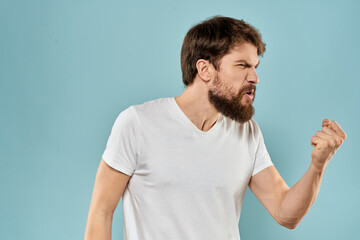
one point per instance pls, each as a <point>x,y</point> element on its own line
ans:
<point>232,89</point>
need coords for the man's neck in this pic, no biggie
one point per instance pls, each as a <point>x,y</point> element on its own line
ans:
<point>195,105</point>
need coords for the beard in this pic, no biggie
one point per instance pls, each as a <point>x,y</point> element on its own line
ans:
<point>232,108</point>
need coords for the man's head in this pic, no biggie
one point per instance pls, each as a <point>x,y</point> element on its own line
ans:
<point>212,39</point>
<point>228,50</point>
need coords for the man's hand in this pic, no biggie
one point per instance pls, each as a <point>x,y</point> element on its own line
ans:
<point>326,143</point>
<point>289,205</point>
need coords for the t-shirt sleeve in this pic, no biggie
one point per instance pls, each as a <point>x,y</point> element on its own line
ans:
<point>262,157</point>
<point>121,150</point>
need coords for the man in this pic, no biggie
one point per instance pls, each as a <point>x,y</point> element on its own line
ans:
<point>183,164</point>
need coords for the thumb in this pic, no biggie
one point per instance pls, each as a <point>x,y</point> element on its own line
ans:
<point>325,122</point>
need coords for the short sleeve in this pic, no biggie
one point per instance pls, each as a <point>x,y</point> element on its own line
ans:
<point>121,151</point>
<point>262,157</point>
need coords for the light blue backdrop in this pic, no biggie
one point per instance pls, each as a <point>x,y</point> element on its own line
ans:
<point>68,68</point>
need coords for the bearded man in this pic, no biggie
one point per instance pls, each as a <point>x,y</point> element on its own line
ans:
<point>182,164</point>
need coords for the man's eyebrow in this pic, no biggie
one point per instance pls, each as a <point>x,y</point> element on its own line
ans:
<point>248,64</point>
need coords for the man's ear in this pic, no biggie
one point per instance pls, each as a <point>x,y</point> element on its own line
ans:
<point>205,69</point>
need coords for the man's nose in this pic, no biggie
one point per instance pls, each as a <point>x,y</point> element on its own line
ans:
<point>252,76</point>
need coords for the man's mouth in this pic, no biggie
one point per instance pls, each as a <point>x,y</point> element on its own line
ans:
<point>250,94</point>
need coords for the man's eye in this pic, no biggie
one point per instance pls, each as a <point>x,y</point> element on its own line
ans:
<point>241,65</point>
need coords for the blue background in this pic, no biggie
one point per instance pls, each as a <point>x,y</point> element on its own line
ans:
<point>68,68</point>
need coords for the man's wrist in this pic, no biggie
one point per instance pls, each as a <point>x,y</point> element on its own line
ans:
<point>317,167</point>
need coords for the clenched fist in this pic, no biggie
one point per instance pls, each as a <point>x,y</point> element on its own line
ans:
<point>326,143</point>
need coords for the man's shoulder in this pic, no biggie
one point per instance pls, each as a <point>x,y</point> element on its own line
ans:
<point>250,128</point>
<point>137,113</point>
<point>250,125</point>
<point>152,106</point>
<point>254,126</point>
<point>152,103</point>
<point>152,110</point>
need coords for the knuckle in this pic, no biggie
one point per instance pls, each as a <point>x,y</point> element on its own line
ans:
<point>337,142</point>
<point>332,143</point>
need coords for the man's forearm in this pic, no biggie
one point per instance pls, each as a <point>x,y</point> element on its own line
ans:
<point>300,197</point>
<point>98,226</point>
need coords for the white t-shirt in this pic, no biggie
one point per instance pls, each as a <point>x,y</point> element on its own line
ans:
<point>186,184</point>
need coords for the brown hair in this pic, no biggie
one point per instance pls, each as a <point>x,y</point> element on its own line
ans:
<point>212,39</point>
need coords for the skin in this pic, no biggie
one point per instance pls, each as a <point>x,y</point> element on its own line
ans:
<point>108,189</point>
<point>237,73</point>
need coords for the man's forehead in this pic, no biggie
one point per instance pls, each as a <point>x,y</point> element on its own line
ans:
<point>245,51</point>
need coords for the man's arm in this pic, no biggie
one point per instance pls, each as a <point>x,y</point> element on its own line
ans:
<point>108,189</point>
<point>289,205</point>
